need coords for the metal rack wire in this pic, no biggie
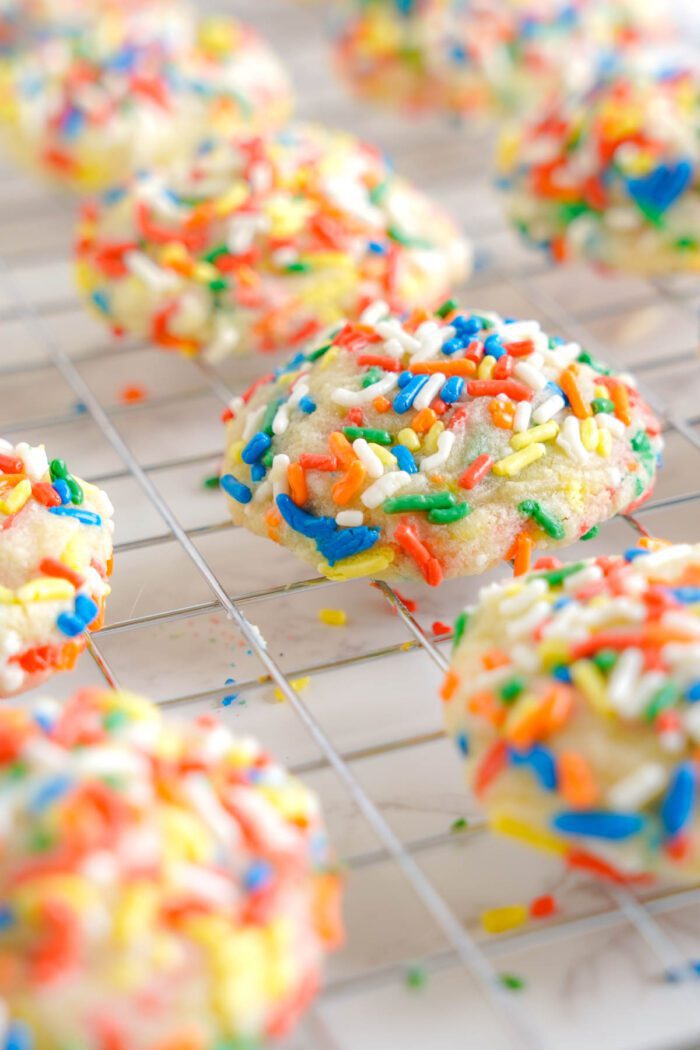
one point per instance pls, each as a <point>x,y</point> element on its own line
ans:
<point>360,1006</point>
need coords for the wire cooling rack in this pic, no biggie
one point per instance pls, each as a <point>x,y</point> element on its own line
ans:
<point>204,615</point>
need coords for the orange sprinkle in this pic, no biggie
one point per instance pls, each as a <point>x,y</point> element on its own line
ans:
<point>569,384</point>
<point>273,519</point>
<point>423,420</point>
<point>296,477</point>
<point>494,658</point>
<point>621,401</point>
<point>559,705</point>
<point>381,404</point>
<point>449,685</point>
<point>350,483</point>
<point>133,394</point>
<point>461,367</point>
<point>341,449</point>
<point>522,557</point>
<point>529,728</point>
<point>484,705</point>
<point>576,780</point>
<point>502,413</point>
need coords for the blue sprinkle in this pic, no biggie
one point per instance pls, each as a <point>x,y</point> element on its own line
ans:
<point>346,542</point>
<point>452,390</point>
<point>376,248</point>
<point>635,552</point>
<point>661,187</point>
<point>599,824</point>
<point>494,347</point>
<point>307,405</point>
<point>256,447</point>
<point>687,595</point>
<point>44,721</point>
<point>85,608</point>
<point>679,802</point>
<point>542,763</point>
<point>114,195</point>
<point>50,791</point>
<point>258,876</point>
<point>235,488</point>
<point>72,124</point>
<point>101,301</point>
<point>562,673</point>
<point>555,389</point>
<point>69,624</point>
<point>85,516</point>
<point>453,345</point>
<point>692,693</point>
<point>18,1036</point>
<point>404,458</point>
<point>60,487</point>
<point>561,602</point>
<point>462,742</point>
<point>7,917</point>
<point>404,379</point>
<point>258,471</point>
<point>307,524</point>
<point>466,326</point>
<point>404,400</point>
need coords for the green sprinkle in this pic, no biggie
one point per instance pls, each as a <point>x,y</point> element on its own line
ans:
<point>212,482</point>
<point>450,514</point>
<point>267,459</point>
<point>556,577</point>
<point>460,824</point>
<point>373,376</point>
<point>446,308</point>
<point>605,660</point>
<point>76,491</point>
<point>114,720</point>
<point>546,522</point>
<point>512,982</point>
<point>379,437</point>
<point>58,469</point>
<point>298,267</point>
<point>378,192</point>
<point>416,977</point>
<point>315,354</point>
<point>640,443</point>
<point>602,404</point>
<point>511,690</point>
<point>587,359</point>
<point>664,698</point>
<point>461,624</point>
<point>638,488</point>
<point>218,284</point>
<point>41,840</point>
<point>215,253</point>
<point>406,240</point>
<point>591,534</point>
<point>421,501</point>
<point>17,770</point>
<point>270,413</point>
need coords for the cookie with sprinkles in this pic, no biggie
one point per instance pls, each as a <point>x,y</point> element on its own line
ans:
<point>612,176</point>
<point>163,884</point>
<point>55,560</point>
<point>436,446</point>
<point>85,112</point>
<point>476,57</point>
<point>572,699</point>
<point>262,242</point>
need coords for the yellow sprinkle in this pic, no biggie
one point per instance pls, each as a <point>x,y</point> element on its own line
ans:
<point>552,651</point>
<point>544,432</point>
<point>589,434</point>
<point>16,497</point>
<point>600,391</point>
<point>333,617</point>
<point>604,442</point>
<point>234,452</point>
<point>205,272</point>
<point>328,358</point>
<point>486,367</point>
<point>297,684</point>
<point>512,465</point>
<point>573,490</point>
<point>231,200</point>
<point>174,255</point>
<point>409,439</point>
<point>591,682</point>
<point>431,438</point>
<point>504,824</point>
<point>368,564</point>
<point>499,920</point>
<point>46,589</point>
<point>135,912</point>
<point>6,596</point>
<point>383,454</point>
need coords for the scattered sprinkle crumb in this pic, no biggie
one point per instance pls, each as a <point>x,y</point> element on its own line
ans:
<point>333,617</point>
<point>543,907</point>
<point>211,482</point>
<point>297,684</point>
<point>512,982</point>
<point>500,920</point>
<point>416,977</point>
<point>460,824</point>
<point>133,394</point>
<point>441,628</point>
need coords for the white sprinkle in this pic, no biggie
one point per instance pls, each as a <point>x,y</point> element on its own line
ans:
<point>278,475</point>
<point>523,414</point>
<point>624,675</point>
<point>526,596</point>
<point>528,622</point>
<point>431,338</point>
<point>251,425</point>
<point>691,720</point>
<point>350,398</point>
<point>393,329</point>
<point>665,556</point>
<point>681,621</point>
<point>634,791</point>
<point>159,279</point>
<point>548,409</point>
<point>241,232</point>
<point>632,704</point>
<point>518,331</point>
<point>445,444</point>
<point>393,348</point>
<point>369,459</point>
<point>375,312</point>
<point>526,373</point>
<point>34,459</point>
<point>385,487</point>
<point>204,799</point>
<point>611,423</point>
<point>350,519</point>
<point>281,419</point>
<point>569,440</point>
<point>225,339</point>
<point>429,391</point>
<point>589,574</point>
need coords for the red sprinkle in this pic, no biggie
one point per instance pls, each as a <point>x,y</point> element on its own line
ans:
<point>133,394</point>
<point>476,471</point>
<point>44,493</point>
<point>11,465</point>
<point>389,364</point>
<point>312,461</point>
<point>51,567</point>
<point>441,628</point>
<point>543,907</point>
<point>493,387</point>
